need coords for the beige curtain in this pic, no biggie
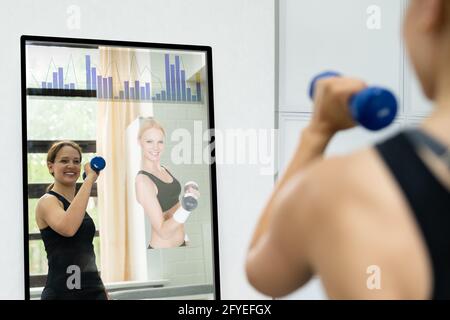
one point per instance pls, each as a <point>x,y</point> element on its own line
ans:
<point>114,116</point>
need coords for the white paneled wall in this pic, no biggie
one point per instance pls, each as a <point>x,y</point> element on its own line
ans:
<point>325,34</point>
<point>339,35</point>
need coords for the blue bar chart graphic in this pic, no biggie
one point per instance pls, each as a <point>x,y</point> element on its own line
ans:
<point>173,85</point>
<point>58,82</point>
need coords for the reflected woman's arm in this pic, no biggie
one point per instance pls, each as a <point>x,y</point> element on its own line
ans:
<point>146,196</point>
<point>67,223</point>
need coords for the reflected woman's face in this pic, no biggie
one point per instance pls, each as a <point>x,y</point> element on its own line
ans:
<point>67,165</point>
<point>152,144</point>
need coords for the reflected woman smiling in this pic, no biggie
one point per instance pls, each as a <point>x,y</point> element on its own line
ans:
<point>67,229</point>
<point>158,191</point>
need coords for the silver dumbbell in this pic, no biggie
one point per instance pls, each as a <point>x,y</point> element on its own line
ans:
<point>190,198</point>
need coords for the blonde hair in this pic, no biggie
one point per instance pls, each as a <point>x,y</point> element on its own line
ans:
<point>55,148</point>
<point>149,123</point>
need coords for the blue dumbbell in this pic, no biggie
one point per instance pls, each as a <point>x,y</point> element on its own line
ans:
<point>374,108</point>
<point>97,164</point>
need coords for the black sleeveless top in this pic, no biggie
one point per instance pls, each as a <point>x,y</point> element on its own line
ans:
<point>429,201</point>
<point>168,193</point>
<point>69,256</point>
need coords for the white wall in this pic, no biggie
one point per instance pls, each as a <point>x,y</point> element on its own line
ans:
<point>241,33</point>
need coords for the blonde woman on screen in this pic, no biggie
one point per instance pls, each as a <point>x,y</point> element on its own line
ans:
<point>158,191</point>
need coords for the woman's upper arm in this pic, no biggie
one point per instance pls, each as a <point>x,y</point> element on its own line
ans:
<point>50,211</point>
<point>278,264</point>
<point>272,272</point>
<point>146,196</point>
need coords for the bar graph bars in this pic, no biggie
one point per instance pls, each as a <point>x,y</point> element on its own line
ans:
<point>177,88</point>
<point>58,81</point>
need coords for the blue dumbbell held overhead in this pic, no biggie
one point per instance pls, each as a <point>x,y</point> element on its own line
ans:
<point>97,164</point>
<point>374,108</point>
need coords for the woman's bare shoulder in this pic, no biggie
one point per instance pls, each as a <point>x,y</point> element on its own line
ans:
<point>362,203</point>
<point>360,177</point>
<point>143,182</point>
<point>45,201</point>
<point>356,180</point>
<point>45,205</point>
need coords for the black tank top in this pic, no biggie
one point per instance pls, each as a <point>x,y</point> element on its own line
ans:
<point>168,193</point>
<point>429,201</point>
<point>64,252</point>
